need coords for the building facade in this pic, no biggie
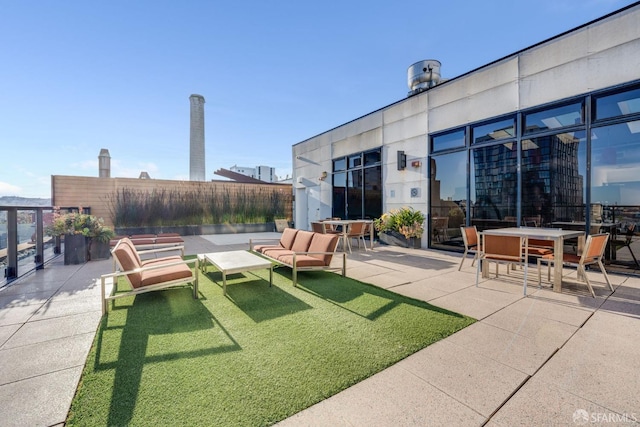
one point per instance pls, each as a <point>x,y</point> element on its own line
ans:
<point>546,136</point>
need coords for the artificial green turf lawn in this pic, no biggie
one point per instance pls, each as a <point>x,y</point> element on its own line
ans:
<point>252,358</point>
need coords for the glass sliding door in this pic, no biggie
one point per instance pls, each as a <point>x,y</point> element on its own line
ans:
<point>554,169</point>
<point>339,197</point>
<point>494,186</point>
<point>354,194</point>
<point>615,188</point>
<point>372,192</point>
<point>448,186</point>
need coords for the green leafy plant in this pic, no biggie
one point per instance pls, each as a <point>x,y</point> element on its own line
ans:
<point>79,223</point>
<point>407,221</point>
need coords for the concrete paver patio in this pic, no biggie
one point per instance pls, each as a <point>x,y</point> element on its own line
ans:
<point>545,359</point>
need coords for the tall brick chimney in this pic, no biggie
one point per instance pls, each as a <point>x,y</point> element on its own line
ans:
<point>196,139</point>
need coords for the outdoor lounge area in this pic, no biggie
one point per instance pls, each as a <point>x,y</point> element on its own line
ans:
<point>545,358</point>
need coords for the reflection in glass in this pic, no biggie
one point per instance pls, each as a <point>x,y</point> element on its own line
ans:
<point>494,186</point>
<point>553,118</point>
<point>339,164</point>
<point>357,193</point>
<point>615,164</point>
<point>355,161</point>
<point>618,104</point>
<point>553,172</point>
<point>354,194</point>
<point>448,140</point>
<point>493,131</point>
<point>372,157</point>
<point>373,192</point>
<point>448,185</point>
<point>339,195</point>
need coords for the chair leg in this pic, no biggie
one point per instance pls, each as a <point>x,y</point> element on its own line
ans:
<point>586,279</point>
<point>464,255</point>
<point>604,273</point>
<point>632,255</point>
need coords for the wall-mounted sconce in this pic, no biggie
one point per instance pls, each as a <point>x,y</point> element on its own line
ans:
<point>415,163</point>
<point>402,160</point>
<point>323,176</point>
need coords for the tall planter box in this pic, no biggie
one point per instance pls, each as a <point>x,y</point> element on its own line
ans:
<point>99,250</point>
<point>396,239</point>
<point>75,249</point>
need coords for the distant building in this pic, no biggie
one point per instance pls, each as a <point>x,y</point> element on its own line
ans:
<point>263,173</point>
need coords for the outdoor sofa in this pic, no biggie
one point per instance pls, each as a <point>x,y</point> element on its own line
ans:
<point>147,275</point>
<point>302,250</point>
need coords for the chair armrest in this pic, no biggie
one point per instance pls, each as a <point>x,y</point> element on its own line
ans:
<point>164,249</point>
<point>252,242</point>
<point>151,267</point>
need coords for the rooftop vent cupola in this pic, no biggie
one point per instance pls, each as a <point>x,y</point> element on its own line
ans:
<point>423,75</point>
<point>104,164</point>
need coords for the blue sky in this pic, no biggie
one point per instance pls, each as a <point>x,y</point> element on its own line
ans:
<point>79,76</point>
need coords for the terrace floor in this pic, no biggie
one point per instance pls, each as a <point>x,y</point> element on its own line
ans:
<point>545,359</point>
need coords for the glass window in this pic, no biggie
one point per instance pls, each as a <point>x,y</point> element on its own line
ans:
<point>554,168</point>
<point>372,192</point>
<point>340,164</point>
<point>615,165</point>
<point>354,194</point>
<point>494,186</point>
<point>372,157</point>
<point>553,118</point>
<point>339,195</point>
<point>495,130</point>
<point>448,186</point>
<point>355,161</point>
<point>448,140</point>
<point>357,190</point>
<point>619,104</point>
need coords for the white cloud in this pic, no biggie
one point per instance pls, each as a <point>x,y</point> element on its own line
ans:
<point>7,189</point>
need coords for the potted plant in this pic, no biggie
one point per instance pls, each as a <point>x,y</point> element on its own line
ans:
<point>85,236</point>
<point>401,227</point>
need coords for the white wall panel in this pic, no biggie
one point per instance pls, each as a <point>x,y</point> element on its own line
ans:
<point>358,142</point>
<point>495,75</point>
<point>416,104</point>
<point>356,127</point>
<point>405,129</point>
<point>500,100</point>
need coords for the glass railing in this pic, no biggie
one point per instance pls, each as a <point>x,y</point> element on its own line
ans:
<point>24,244</point>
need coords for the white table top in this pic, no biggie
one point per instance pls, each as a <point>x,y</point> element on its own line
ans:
<point>344,221</point>
<point>236,261</point>
<point>535,232</point>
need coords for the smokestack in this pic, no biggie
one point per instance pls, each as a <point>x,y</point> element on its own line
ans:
<point>104,164</point>
<point>196,139</point>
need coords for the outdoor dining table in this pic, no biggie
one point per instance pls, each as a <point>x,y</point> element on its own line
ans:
<point>557,235</point>
<point>345,229</point>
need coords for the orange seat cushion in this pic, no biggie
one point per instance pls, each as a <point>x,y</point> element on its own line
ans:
<point>323,243</point>
<point>301,260</point>
<point>288,237</point>
<point>303,240</point>
<point>165,274</point>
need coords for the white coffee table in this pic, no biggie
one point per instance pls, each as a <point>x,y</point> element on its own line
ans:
<point>235,262</point>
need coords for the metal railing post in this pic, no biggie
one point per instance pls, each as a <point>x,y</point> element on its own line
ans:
<point>12,243</point>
